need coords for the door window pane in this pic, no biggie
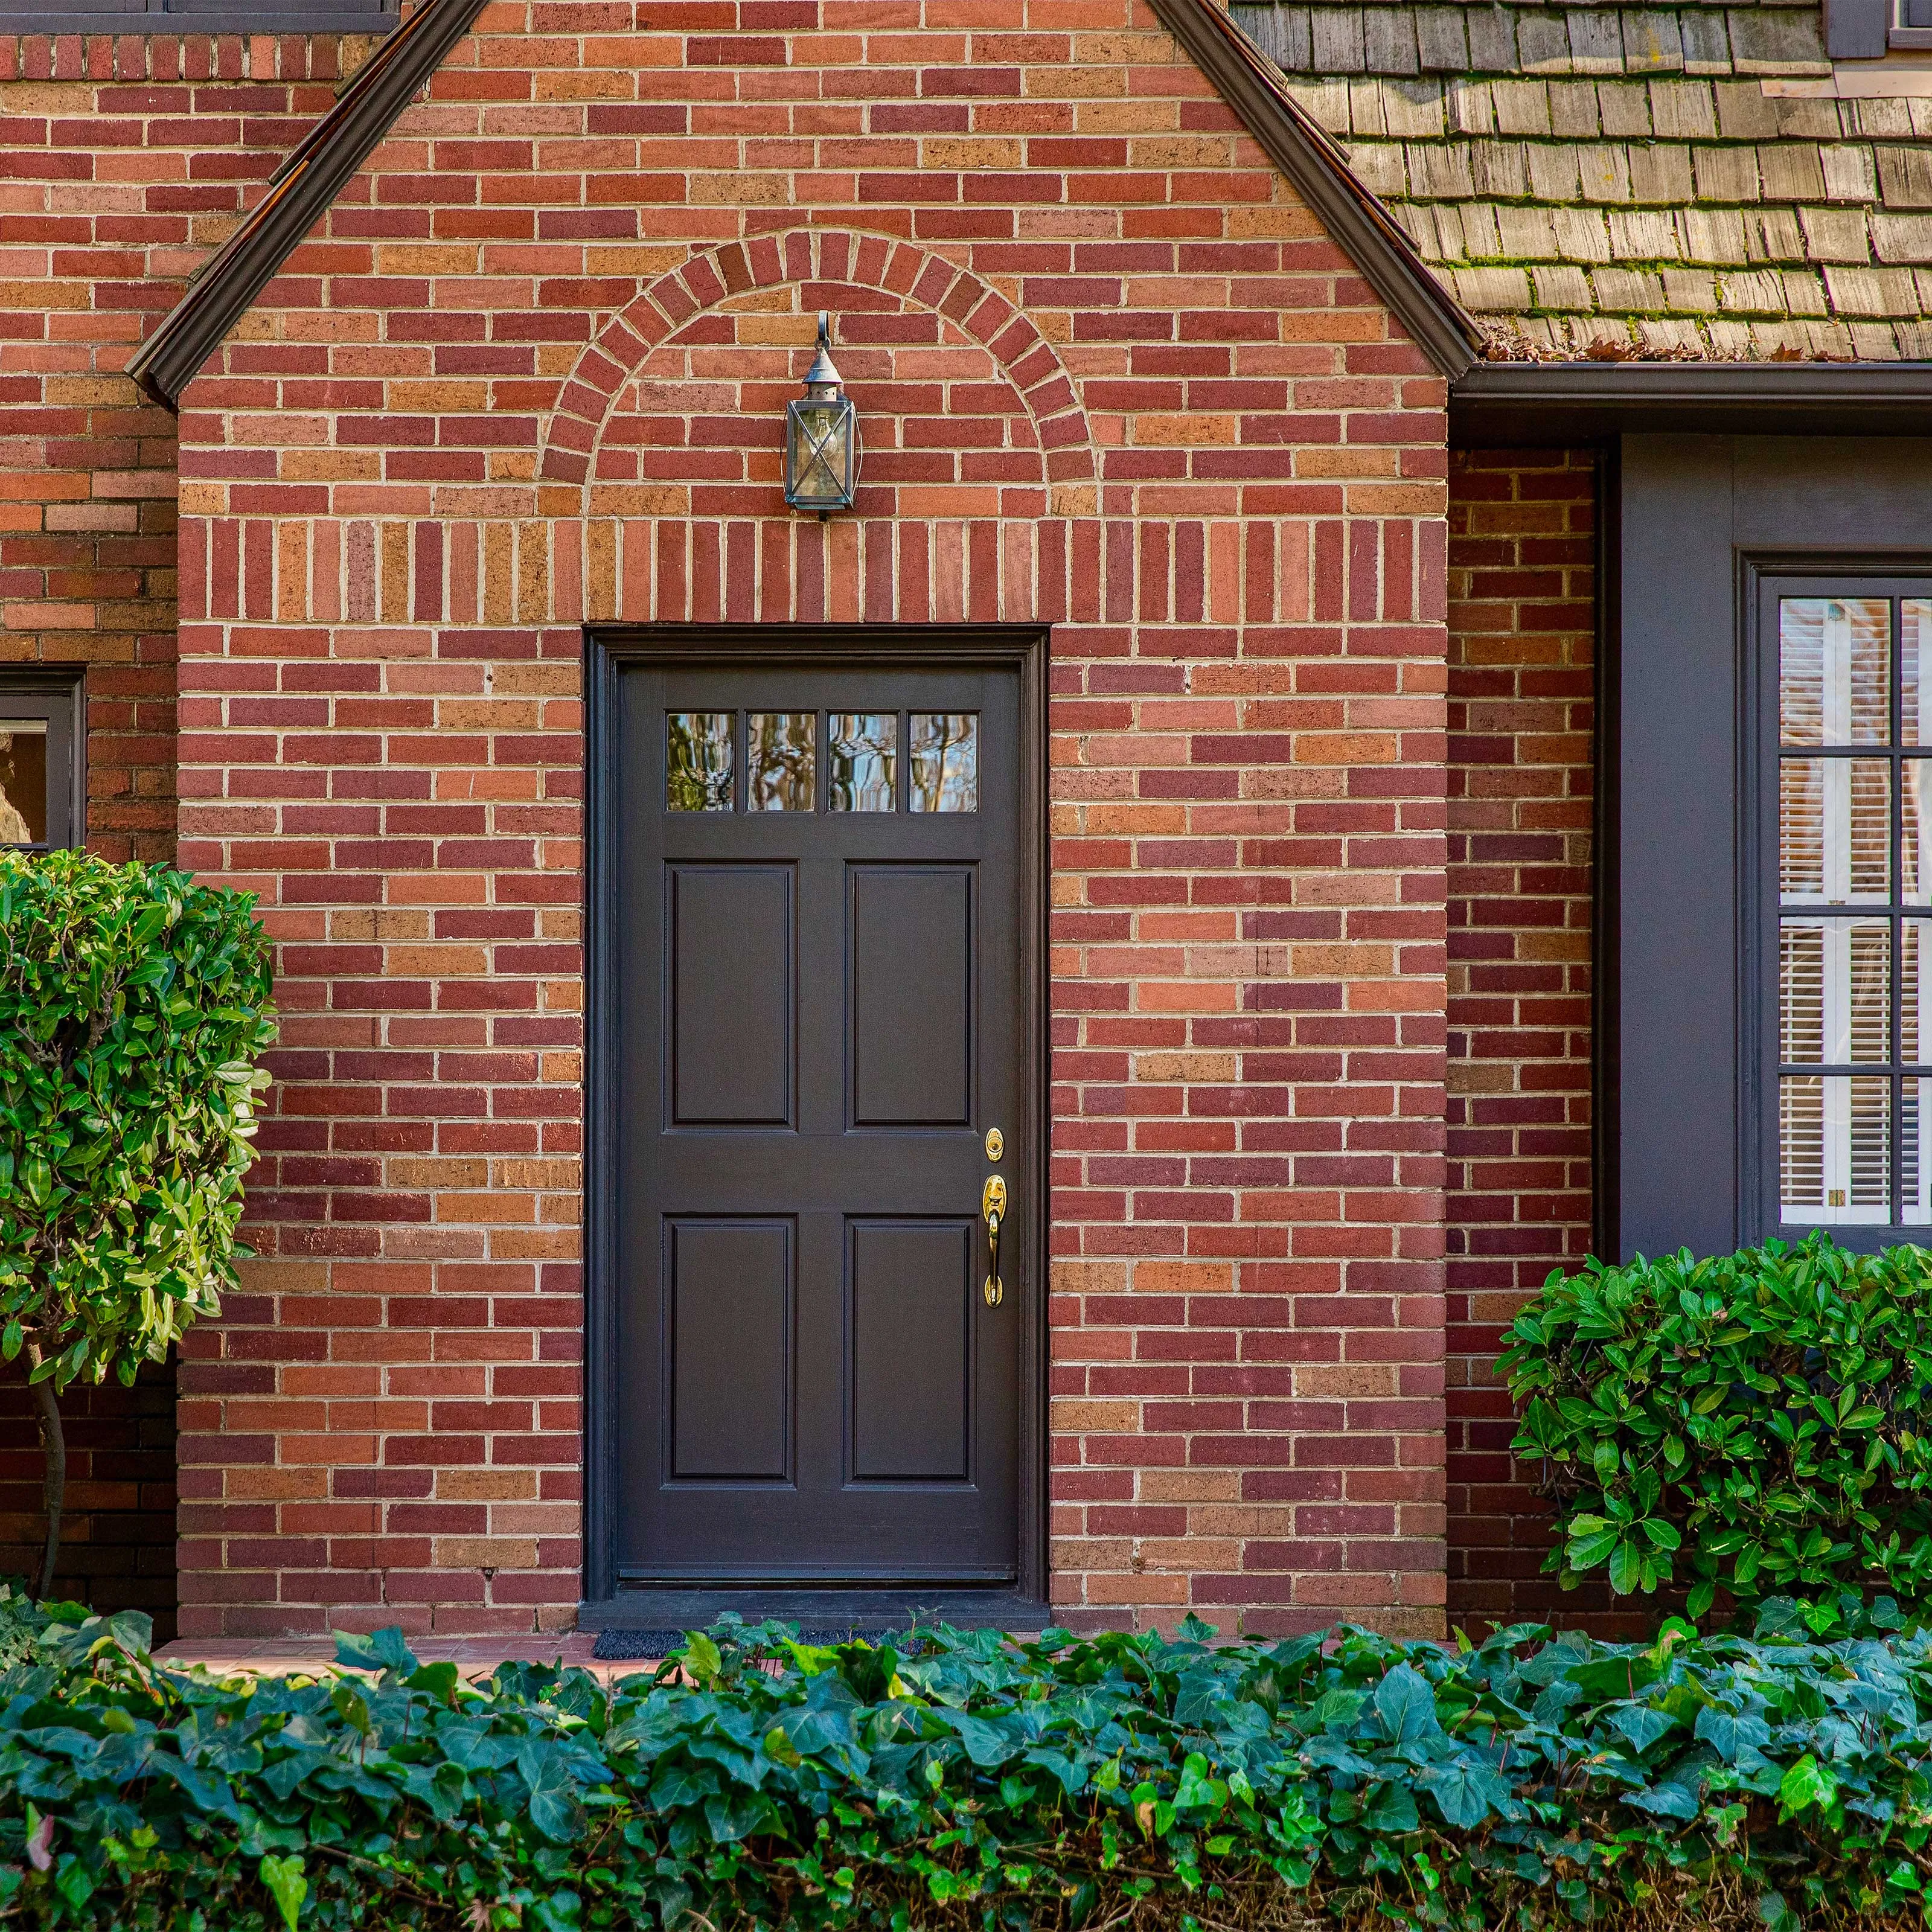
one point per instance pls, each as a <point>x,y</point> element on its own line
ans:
<point>862,762</point>
<point>945,761</point>
<point>23,781</point>
<point>1835,830</point>
<point>1834,1134</point>
<point>781,753</point>
<point>697,760</point>
<point>1834,991</point>
<point>1834,671</point>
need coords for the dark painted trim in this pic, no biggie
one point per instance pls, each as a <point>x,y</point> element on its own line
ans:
<point>1002,1609</point>
<point>1764,576</point>
<point>62,691</point>
<point>1607,908</point>
<point>1706,520</point>
<point>1021,646</point>
<point>1526,405</point>
<point>298,195</point>
<point>1857,29</point>
<point>1357,222</point>
<point>600,1124</point>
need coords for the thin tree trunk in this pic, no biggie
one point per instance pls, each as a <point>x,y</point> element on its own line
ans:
<point>53,1455</point>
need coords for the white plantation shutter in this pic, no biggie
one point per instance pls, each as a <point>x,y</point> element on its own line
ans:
<point>1835,837</point>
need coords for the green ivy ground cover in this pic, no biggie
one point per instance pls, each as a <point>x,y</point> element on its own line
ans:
<point>970,1780</point>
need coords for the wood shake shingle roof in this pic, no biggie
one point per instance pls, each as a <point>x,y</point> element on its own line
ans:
<point>1691,182</point>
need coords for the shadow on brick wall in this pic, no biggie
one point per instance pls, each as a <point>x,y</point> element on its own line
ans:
<point>118,1536</point>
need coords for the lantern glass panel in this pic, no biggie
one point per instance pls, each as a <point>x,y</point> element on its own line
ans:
<point>820,458</point>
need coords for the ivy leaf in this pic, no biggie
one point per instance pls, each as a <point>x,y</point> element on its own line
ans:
<point>555,1809</point>
<point>701,1659</point>
<point>1405,1705</point>
<point>1737,1737</point>
<point>287,1886</point>
<point>1806,1784</point>
<point>1392,1809</point>
<point>1640,1727</point>
<point>1466,1793</point>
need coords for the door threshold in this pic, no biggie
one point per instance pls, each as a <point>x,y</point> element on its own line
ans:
<point>697,1609</point>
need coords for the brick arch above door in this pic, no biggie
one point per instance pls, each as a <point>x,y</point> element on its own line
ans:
<point>820,262</point>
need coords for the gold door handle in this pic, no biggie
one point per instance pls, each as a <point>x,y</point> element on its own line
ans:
<point>993,1206</point>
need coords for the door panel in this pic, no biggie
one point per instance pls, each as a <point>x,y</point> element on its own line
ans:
<point>911,952</point>
<point>911,1328</point>
<point>731,1350</point>
<point>731,944</point>
<point>817,990</point>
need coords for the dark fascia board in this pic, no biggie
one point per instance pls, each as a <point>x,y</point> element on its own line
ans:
<point>1358,224</point>
<point>298,195</point>
<point>1530,404</point>
<point>239,18</point>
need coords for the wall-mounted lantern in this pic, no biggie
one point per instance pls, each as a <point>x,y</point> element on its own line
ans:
<point>822,437</point>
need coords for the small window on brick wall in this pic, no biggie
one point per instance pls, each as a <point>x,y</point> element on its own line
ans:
<point>197,17</point>
<point>41,779</point>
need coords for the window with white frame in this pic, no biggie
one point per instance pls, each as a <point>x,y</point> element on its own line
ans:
<point>1854,984</point>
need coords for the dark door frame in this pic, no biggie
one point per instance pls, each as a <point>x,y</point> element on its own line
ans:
<point>608,648</point>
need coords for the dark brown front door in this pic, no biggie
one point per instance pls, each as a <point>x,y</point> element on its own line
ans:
<point>817,994</point>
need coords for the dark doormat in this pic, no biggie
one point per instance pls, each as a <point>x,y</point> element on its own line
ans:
<point>620,1646</point>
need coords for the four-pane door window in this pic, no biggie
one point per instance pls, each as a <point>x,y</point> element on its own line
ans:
<point>1854,813</point>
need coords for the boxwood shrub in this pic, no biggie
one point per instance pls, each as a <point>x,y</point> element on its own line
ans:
<point>967,1780</point>
<point>1759,1422</point>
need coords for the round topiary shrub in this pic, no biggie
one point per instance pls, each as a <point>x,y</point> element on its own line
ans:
<point>134,1004</point>
<point>1759,1422</point>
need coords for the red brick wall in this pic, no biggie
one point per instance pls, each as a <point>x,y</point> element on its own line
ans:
<point>1522,624</point>
<point>1114,377</point>
<point>122,160</point>
<point>117,1529</point>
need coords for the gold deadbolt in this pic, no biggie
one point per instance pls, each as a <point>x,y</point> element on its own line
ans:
<point>996,1143</point>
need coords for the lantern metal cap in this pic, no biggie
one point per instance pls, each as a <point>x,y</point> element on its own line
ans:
<point>823,372</point>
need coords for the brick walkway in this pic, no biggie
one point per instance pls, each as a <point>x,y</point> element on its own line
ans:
<point>474,1656</point>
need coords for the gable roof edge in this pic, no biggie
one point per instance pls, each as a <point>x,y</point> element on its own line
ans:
<point>300,191</point>
<point>321,164</point>
<point>1356,220</point>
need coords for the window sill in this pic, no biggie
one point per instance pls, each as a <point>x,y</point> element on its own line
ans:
<point>1918,39</point>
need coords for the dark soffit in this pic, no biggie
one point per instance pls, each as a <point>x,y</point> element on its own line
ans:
<point>1520,404</point>
<point>299,193</point>
<point>1356,220</point>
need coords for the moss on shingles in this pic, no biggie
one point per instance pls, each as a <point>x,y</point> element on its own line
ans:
<point>1655,124</point>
